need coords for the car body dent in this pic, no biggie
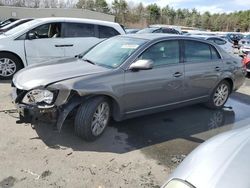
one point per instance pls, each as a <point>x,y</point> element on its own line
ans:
<point>100,86</point>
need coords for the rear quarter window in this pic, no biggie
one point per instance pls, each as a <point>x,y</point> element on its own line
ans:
<point>107,32</point>
<point>217,41</point>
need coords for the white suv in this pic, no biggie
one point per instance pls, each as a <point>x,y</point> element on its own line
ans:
<point>43,39</point>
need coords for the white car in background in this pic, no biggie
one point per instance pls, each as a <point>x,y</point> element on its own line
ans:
<point>44,39</point>
<point>224,44</point>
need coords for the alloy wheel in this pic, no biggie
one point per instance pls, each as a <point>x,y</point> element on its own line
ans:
<point>7,67</point>
<point>100,118</point>
<point>221,95</point>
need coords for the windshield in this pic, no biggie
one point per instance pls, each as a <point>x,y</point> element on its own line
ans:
<point>148,30</point>
<point>21,27</point>
<point>113,52</point>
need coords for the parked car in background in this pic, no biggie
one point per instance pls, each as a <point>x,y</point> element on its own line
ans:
<point>44,39</point>
<point>224,44</point>
<point>220,162</point>
<point>245,40</point>
<point>244,49</point>
<point>178,28</point>
<point>234,38</point>
<point>246,61</point>
<point>159,30</point>
<point>14,24</point>
<point>6,22</point>
<point>142,74</point>
<point>131,31</point>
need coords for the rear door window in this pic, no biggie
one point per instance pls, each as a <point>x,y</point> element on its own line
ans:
<point>196,51</point>
<point>71,30</point>
<point>107,32</point>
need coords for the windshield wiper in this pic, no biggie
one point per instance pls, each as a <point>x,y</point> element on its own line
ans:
<point>89,61</point>
<point>104,65</point>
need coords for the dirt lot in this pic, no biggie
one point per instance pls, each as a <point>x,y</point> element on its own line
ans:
<point>139,152</point>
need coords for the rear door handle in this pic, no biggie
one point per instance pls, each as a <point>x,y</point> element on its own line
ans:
<point>217,68</point>
<point>177,74</point>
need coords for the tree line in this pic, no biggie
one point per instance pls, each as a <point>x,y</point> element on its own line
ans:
<point>139,16</point>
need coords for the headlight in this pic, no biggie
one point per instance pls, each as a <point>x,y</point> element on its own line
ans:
<point>177,184</point>
<point>36,96</point>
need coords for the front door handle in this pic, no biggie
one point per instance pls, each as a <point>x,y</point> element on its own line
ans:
<point>217,68</point>
<point>177,74</point>
<point>64,45</point>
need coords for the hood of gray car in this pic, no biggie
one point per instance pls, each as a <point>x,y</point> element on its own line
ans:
<point>221,162</point>
<point>51,72</point>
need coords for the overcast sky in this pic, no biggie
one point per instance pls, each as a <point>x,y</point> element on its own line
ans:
<point>214,6</point>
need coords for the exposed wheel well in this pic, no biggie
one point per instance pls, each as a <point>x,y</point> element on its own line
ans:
<point>11,53</point>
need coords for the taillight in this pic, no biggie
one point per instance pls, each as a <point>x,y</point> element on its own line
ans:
<point>243,61</point>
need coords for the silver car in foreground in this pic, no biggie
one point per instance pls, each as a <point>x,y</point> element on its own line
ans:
<point>127,76</point>
<point>221,162</point>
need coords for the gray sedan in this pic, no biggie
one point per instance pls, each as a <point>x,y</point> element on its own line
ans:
<point>127,76</point>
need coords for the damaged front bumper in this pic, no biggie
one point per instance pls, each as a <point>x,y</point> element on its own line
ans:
<point>30,113</point>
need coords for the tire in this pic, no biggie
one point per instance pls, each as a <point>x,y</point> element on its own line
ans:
<point>9,65</point>
<point>90,112</point>
<point>248,75</point>
<point>219,96</point>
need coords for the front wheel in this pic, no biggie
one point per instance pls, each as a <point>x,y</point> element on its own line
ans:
<point>92,118</point>
<point>9,65</point>
<point>219,96</point>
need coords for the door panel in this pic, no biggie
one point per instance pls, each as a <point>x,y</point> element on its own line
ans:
<point>44,43</point>
<point>201,78</point>
<point>152,88</point>
<point>78,37</point>
<point>203,68</point>
<point>40,50</point>
<point>75,46</point>
<point>159,86</point>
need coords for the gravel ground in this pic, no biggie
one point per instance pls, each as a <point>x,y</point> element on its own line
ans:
<point>140,152</point>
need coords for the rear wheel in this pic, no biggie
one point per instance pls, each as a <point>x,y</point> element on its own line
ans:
<point>92,118</point>
<point>220,95</point>
<point>9,65</point>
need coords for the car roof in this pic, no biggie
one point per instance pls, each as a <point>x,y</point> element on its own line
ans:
<point>205,36</point>
<point>156,36</point>
<point>83,20</point>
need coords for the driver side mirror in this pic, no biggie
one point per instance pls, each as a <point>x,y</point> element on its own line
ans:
<point>31,36</point>
<point>142,64</point>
